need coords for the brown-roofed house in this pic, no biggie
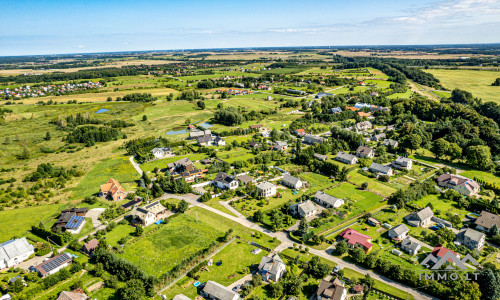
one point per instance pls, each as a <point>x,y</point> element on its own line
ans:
<point>487,220</point>
<point>90,246</point>
<point>112,189</point>
<point>364,114</point>
<point>463,185</point>
<point>77,294</point>
<point>331,290</point>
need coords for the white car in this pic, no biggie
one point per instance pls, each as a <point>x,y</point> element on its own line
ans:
<point>336,269</point>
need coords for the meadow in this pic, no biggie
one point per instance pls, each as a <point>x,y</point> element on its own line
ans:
<point>476,82</point>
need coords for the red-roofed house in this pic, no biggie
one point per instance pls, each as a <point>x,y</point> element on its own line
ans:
<point>354,238</point>
<point>440,251</point>
<point>112,189</point>
<point>300,132</point>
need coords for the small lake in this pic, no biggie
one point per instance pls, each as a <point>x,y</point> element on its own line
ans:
<point>174,132</point>
<point>101,110</point>
<point>205,125</point>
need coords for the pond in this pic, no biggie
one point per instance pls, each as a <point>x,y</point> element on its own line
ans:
<point>174,132</point>
<point>101,110</point>
<point>205,125</point>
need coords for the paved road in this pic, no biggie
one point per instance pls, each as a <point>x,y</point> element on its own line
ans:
<point>286,242</point>
<point>136,165</point>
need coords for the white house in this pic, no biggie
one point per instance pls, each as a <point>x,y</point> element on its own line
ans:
<point>365,152</point>
<point>380,169</point>
<point>346,158</point>
<point>13,252</point>
<point>266,189</point>
<point>327,200</point>
<point>226,182</point>
<point>272,268</point>
<point>54,264</point>
<point>402,163</point>
<point>399,232</point>
<point>291,182</point>
<point>161,152</point>
<point>304,209</point>
<point>148,214</point>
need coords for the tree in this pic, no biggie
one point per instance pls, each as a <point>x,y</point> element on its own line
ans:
<point>479,156</point>
<point>454,151</point>
<point>489,283</point>
<point>412,142</point>
<point>364,185</point>
<point>144,118</point>
<point>276,289</point>
<point>47,136</point>
<point>183,206</point>
<point>25,153</point>
<point>496,82</point>
<point>139,230</point>
<point>132,290</point>
<point>201,104</point>
<point>292,284</point>
<point>440,147</point>
<point>341,248</point>
<point>146,179</point>
<point>358,254</point>
<point>157,191</point>
<point>109,99</point>
<point>369,281</point>
<point>258,216</point>
<point>17,286</point>
<point>303,227</point>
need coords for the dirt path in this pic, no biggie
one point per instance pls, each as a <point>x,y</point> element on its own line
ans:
<point>136,165</point>
<point>417,88</point>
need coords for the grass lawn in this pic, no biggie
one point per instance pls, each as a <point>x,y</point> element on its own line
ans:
<point>373,184</point>
<point>317,181</point>
<point>488,177</point>
<point>224,224</point>
<point>119,232</point>
<point>118,168</point>
<point>476,82</point>
<point>236,260</point>
<point>441,205</point>
<point>162,249</point>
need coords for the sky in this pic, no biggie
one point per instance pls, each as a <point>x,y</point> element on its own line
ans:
<point>57,27</point>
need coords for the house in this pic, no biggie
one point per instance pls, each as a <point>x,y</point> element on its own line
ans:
<point>15,251</point>
<point>195,134</point>
<point>75,224</point>
<point>148,214</point>
<point>82,211</point>
<point>487,221</point>
<point>218,141</point>
<point>327,290</point>
<point>77,294</point>
<point>327,200</point>
<point>402,163</point>
<point>54,264</point>
<point>311,139</point>
<point>280,146</point>
<point>471,238</point>
<point>304,209</point>
<point>356,239</point>
<point>256,126</point>
<point>365,152</point>
<point>410,246</point>
<point>351,108</point>
<point>380,169</point>
<point>180,165</point>
<point>225,182</point>
<point>420,218</point>
<point>298,92</point>
<point>335,110</point>
<point>5,297</point>
<point>191,127</point>
<point>266,189</point>
<point>291,182</point>
<point>373,222</point>
<point>204,140</point>
<point>62,220</point>
<point>181,297</point>
<point>90,246</point>
<point>192,175</point>
<point>112,189</point>
<point>129,205</point>
<point>374,94</point>
<point>320,157</point>
<point>363,126</point>
<point>216,291</point>
<point>253,144</point>
<point>377,137</point>
<point>161,152</point>
<point>272,268</point>
<point>363,114</point>
<point>463,185</point>
<point>266,133</point>
<point>392,144</point>
<point>245,179</point>
<point>398,233</point>
<point>322,94</point>
<point>437,253</point>
<point>346,158</point>
<point>300,132</point>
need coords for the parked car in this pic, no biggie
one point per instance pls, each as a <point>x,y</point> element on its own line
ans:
<point>336,269</point>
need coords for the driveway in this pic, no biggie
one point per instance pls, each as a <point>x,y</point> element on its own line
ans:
<point>136,165</point>
<point>33,262</point>
<point>94,214</point>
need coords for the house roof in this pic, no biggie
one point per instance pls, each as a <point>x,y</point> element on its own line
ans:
<point>487,220</point>
<point>80,210</point>
<point>290,179</point>
<point>256,126</point>
<point>335,110</point>
<point>271,264</point>
<point>265,185</point>
<point>71,296</point>
<point>301,130</point>
<point>363,114</point>
<point>452,179</point>
<point>399,230</point>
<point>14,248</point>
<point>320,156</point>
<point>472,234</point>
<point>244,178</point>
<point>328,198</point>
<point>440,251</point>
<point>65,217</point>
<point>331,290</point>
<point>373,220</point>
<point>204,138</point>
<point>345,156</point>
<point>280,144</point>
<point>375,167</point>
<point>53,263</point>
<point>136,201</point>
<point>223,177</point>
<point>306,207</point>
<point>389,142</point>
<point>113,186</point>
<point>410,245</point>
<point>425,213</point>
<point>363,150</point>
<point>91,245</point>
<point>353,237</point>
<point>74,222</point>
<point>219,291</point>
<point>404,161</point>
<point>364,124</point>
<point>155,207</point>
<point>181,297</point>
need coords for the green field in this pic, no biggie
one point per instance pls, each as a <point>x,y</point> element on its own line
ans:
<point>118,168</point>
<point>160,251</point>
<point>476,82</point>
<point>373,184</point>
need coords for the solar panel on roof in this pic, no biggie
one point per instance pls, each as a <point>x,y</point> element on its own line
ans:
<point>55,263</point>
<point>74,222</point>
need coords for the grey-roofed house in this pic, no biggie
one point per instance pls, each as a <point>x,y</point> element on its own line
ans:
<point>402,163</point>
<point>320,157</point>
<point>245,179</point>
<point>399,232</point>
<point>266,189</point>
<point>390,143</point>
<point>304,209</point>
<point>365,152</point>
<point>471,238</point>
<point>487,221</point>
<point>381,169</point>
<point>224,181</point>
<point>330,290</point>
<point>196,134</point>
<point>291,181</point>
<point>15,251</point>
<point>74,295</point>
<point>346,158</point>
<point>463,185</point>
<point>180,165</point>
<point>204,140</point>
<point>216,291</point>
<point>328,201</point>
<point>272,268</point>
<point>377,137</point>
<point>410,246</point>
<point>161,152</point>
<point>312,139</point>
<point>322,94</point>
<point>363,126</point>
<point>148,214</point>
<point>54,264</point>
<point>335,110</point>
<point>181,297</point>
<point>420,218</point>
<point>280,146</point>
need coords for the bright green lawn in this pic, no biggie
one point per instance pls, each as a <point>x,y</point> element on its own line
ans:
<point>488,177</point>
<point>373,184</point>
<point>119,232</point>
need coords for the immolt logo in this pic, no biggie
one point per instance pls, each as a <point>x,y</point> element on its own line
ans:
<point>449,272</point>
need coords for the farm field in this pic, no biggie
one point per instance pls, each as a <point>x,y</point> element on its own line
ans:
<point>476,82</point>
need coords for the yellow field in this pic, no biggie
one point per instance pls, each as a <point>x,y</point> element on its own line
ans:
<point>476,82</point>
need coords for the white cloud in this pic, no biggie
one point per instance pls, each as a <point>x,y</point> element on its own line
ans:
<point>80,46</point>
